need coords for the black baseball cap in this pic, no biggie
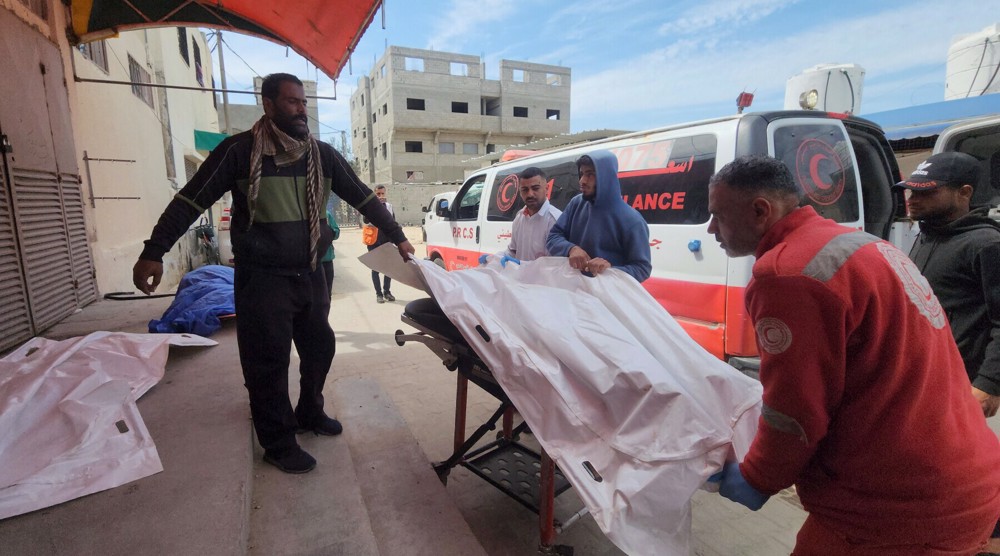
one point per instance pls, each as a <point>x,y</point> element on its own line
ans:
<point>951,168</point>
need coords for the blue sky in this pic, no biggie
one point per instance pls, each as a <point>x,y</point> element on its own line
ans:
<point>639,64</point>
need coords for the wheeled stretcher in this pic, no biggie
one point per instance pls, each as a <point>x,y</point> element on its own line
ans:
<point>530,477</point>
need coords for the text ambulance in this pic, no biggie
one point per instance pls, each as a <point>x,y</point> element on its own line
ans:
<point>843,164</point>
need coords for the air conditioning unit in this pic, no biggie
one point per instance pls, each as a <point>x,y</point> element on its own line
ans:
<point>826,87</point>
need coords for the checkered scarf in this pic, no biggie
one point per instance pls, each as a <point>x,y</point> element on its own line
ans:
<point>286,150</point>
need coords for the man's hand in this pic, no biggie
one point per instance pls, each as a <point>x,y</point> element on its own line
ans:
<point>141,273</point>
<point>578,258</point>
<point>483,258</point>
<point>406,250</point>
<point>988,402</point>
<point>733,486</point>
<point>597,265</point>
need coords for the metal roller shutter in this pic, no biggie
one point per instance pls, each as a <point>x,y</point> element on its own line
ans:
<point>15,322</point>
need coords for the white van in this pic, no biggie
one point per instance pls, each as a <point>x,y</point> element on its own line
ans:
<point>430,211</point>
<point>844,164</point>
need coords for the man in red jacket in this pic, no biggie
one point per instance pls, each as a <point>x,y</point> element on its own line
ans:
<point>866,401</point>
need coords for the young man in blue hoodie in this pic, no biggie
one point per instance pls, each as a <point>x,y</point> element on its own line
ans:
<point>598,230</point>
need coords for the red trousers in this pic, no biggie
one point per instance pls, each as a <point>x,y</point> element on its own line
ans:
<point>815,539</point>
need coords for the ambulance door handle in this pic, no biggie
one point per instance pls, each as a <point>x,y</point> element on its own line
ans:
<point>477,234</point>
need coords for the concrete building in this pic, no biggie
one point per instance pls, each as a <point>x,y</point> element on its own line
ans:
<point>423,116</point>
<point>243,116</point>
<point>89,157</point>
<point>140,145</point>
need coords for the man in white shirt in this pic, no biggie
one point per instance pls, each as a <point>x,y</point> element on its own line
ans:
<point>531,226</point>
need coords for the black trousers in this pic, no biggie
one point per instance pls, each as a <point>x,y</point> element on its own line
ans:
<point>386,282</point>
<point>273,312</point>
<point>328,271</point>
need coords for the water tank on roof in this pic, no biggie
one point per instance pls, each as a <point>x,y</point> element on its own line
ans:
<point>973,63</point>
<point>826,87</point>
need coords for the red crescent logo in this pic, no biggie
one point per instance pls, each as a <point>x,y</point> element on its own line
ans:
<point>820,172</point>
<point>507,193</point>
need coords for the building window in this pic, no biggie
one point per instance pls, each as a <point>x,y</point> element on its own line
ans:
<point>490,148</point>
<point>446,148</point>
<point>460,107</point>
<point>414,175</point>
<point>491,106</point>
<point>551,114</point>
<point>460,69</point>
<point>517,75</point>
<point>385,151</point>
<point>374,117</point>
<point>97,53</point>
<point>362,100</point>
<point>414,64</point>
<point>414,146</point>
<point>355,132</point>
<point>385,109</point>
<point>414,104</point>
<point>198,73</point>
<point>382,70</point>
<point>182,42</point>
<point>138,74</point>
<point>520,111</point>
<point>553,79</point>
<point>470,148</point>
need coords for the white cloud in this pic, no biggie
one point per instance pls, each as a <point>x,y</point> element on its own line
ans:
<point>464,19</point>
<point>722,12</point>
<point>688,74</point>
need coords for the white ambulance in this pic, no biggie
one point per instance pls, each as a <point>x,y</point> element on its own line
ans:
<point>844,165</point>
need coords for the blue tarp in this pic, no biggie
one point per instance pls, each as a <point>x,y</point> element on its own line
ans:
<point>928,120</point>
<point>203,295</point>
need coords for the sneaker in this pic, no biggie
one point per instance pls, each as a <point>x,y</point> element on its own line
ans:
<point>293,460</point>
<point>389,297</point>
<point>379,299</point>
<point>325,426</point>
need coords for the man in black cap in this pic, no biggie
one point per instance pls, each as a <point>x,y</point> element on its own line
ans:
<point>958,251</point>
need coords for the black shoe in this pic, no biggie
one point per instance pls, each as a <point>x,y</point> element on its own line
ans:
<point>389,297</point>
<point>324,426</point>
<point>379,298</point>
<point>293,460</point>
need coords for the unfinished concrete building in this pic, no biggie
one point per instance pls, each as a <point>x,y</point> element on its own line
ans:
<point>423,116</point>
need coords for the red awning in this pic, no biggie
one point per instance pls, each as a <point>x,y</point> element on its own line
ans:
<point>324,32</point>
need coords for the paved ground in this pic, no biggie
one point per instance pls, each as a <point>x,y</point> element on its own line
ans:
<point>373,491</point>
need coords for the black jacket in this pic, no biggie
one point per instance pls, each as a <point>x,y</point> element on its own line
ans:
<point>961,260</point>
<point>278,240</point>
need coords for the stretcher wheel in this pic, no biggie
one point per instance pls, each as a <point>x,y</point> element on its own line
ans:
<point>397,336</point>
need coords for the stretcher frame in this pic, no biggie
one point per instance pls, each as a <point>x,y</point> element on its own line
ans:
<point>458,356</point>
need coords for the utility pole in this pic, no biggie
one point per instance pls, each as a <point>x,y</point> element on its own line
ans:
<point>225,96</point>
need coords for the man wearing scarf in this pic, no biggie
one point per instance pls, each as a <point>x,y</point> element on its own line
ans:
<point>280,178</point>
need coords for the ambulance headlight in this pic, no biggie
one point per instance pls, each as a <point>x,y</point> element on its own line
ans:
<point>809,99</point>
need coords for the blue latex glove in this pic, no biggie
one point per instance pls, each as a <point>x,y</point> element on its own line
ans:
<point>508,259</point>
<point>733,486</point>
<point>483,258</point>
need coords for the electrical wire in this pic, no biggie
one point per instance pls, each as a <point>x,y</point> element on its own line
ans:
<point>990,82</point>
<point>851,85</point>
<point>986,45</point>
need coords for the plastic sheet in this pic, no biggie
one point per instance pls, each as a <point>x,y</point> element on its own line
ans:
<point>606,379</point>
<point>203,295</point>
<point>69,419</point>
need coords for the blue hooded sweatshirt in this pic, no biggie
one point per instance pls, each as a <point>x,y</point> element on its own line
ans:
<point>605,226</point>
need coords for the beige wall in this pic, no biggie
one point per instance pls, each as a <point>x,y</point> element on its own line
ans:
<point>111,122</point>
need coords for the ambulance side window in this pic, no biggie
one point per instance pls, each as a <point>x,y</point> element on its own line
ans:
<point>667,180</point>
<point>562,182</point>
<point>467,202</point>
<point>819,156</point>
